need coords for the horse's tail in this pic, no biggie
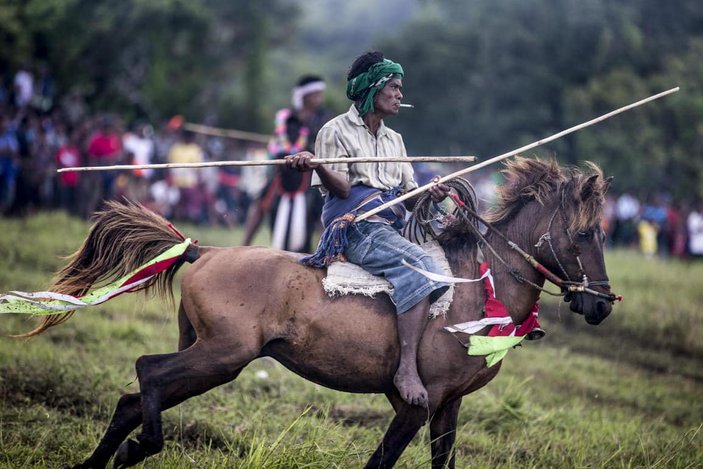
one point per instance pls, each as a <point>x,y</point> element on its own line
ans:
<point>124,236</point>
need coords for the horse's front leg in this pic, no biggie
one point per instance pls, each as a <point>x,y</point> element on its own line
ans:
<point>443,434</point>
<point>403,428</point>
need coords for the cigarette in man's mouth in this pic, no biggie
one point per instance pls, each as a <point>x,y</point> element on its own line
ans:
<point>407,105</point>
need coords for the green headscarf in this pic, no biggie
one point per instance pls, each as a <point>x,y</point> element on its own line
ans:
<point>364,87</point>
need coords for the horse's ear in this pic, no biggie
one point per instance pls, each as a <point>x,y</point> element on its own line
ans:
<point>588,187</point>
<point>606,186</point>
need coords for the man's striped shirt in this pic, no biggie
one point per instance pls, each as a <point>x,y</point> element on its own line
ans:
<point>347,136</point>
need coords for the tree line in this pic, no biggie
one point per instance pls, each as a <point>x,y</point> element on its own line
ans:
<point>485,76</point>
<point>495,74</point>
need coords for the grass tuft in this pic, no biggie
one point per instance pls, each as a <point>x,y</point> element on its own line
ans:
<point>626,394</point>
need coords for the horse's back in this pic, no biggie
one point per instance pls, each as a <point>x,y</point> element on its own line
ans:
<point>266,299</point>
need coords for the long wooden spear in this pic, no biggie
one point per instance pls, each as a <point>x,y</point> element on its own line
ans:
<point>208,164</point>
<point>238,134</point>
<point>229,133</point>
<point>495,159</point>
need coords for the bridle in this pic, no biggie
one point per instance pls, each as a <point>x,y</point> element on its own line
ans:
<point>569,286</point>
<point>566,285</point>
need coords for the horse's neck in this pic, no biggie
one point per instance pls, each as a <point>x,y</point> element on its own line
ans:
<point>518,297</point>
<point>468,298</point>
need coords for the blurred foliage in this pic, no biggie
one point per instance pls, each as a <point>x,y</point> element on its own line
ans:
<point>490,75</point>
<point>153,58</point>
<point>485,76</point>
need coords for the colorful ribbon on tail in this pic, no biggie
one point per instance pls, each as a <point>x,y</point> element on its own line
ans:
<point>43,303</point>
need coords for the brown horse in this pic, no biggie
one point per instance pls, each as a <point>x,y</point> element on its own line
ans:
<point>242,303</point>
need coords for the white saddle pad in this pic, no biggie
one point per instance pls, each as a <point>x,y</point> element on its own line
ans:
<point>345,278</point>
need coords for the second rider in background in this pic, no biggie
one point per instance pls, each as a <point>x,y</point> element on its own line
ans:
<point>294,207</point>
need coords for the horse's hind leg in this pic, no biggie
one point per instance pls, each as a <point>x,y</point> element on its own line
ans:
<point>169,379</point>
<point>186,332</point>
<point>127,417</point>
<point>128,413</point>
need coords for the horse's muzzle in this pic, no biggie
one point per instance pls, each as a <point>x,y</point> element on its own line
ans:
<point>593,308</point>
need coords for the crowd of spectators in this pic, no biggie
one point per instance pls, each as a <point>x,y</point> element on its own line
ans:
<point>655,225</point>
<point>41,132</point>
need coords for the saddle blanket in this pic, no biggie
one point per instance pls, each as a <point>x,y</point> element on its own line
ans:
<point>345,278</point>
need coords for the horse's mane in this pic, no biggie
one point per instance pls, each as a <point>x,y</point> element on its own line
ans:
<point>582,192</point>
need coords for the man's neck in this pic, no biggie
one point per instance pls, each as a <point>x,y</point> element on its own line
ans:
<point>373,121</point>
<point>305,114</point>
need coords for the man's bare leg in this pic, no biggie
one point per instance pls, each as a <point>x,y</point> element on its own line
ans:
<point>411,325</point>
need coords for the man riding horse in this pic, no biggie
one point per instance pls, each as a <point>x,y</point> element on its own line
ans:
<point>547,220</point>
<point>375,85</point>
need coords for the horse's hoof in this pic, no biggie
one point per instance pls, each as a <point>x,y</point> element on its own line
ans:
<point>128,454</point>
<point>83,465</point>
<point>535,334</point>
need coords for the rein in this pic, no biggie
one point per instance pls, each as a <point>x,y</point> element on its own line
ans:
<point>566,286</point>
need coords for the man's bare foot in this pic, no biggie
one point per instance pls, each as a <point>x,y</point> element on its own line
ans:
<point>410,387</point>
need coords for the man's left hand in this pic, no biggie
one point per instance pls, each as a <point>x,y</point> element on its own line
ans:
<point>301,161</point>
<point>439,192</point>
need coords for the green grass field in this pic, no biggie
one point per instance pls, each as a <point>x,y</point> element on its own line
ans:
<point>625,394</point>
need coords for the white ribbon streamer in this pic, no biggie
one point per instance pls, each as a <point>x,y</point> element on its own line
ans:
<point>444,278</point>
<point>472,327</point>
<point>75,303</point>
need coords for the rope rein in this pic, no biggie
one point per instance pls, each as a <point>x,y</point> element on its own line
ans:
<point>426,214</point>
<point>515,273</point>
<point>464,197</point>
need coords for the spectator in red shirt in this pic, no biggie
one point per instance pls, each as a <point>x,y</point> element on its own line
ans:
<point>104,149</point>
<point>68,155</point>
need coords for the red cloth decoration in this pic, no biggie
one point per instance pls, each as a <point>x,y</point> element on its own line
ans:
<point>494,308</point>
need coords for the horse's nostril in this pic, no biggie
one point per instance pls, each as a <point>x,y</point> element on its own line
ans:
<point>576,304</point>
<point>603,308</point>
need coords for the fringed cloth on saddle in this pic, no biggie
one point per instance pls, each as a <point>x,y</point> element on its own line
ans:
<point>345,278</point>
<point>504,334</point>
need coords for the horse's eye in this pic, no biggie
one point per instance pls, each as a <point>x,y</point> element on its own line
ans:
<point>584,235</point>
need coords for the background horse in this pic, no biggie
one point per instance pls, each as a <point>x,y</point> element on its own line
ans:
<point>239,304</point>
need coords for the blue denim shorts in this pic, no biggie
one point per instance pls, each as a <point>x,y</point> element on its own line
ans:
<point>379,249</point>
